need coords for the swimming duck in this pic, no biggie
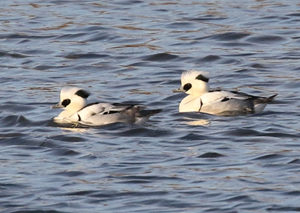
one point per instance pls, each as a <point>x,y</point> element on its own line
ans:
<point>218,102</point>
<point>77,110</point>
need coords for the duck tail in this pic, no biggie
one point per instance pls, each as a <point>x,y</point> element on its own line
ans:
<point>265,100</point>
<point>148,112</point>
<point>271,98</point>
<point>143,115</point>
<point>261,102</point>
<point>138,113</point>
<point>132,110</point>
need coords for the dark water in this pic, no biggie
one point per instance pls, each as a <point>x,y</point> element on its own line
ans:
<point>135,51</point>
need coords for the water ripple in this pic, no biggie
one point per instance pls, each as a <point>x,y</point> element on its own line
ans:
<point>211,155</point>
<point>265,39</point>
<point>229,36</point>
<point>85,56</point>
<point>160,57</point>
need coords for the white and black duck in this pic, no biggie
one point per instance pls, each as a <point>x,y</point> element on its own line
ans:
<point>218,102</point>
<point>77,110</point>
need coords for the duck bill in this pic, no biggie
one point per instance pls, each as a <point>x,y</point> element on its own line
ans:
<point>178,90</point>
<point>57,106</point>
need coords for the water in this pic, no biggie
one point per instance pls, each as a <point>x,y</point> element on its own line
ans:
<point>135,51</point>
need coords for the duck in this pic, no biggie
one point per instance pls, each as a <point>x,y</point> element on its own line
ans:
<point>200,98</point>
<point>77,110</point>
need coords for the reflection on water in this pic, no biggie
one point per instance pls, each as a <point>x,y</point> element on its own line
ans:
<point>135,51</point>
<point>201,122</point>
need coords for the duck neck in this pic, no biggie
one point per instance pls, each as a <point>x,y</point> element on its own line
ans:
<point>67,113</point>
<point>198,94</point>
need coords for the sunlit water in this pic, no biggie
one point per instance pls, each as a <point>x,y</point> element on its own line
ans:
<point>135,51</point>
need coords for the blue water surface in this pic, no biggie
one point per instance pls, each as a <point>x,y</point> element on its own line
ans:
<point>131,50</point>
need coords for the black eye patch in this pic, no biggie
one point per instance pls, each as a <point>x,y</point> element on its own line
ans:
<point>202,78</point>
<point>82,93</point>
<point>66,102</point>
<point>187,86</point>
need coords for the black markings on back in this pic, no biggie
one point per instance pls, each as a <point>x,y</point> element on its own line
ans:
<point>201,104</point>
<point>225,99</point>
<point>125,105</point>
<point>66,102</point>
<point>82,93</point>
<point>187,86</point>
<point>110,112</point>
<point>202,78</point>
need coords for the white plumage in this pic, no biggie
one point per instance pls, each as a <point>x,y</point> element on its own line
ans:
<point>220,102</point>
<point>76,110</point>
